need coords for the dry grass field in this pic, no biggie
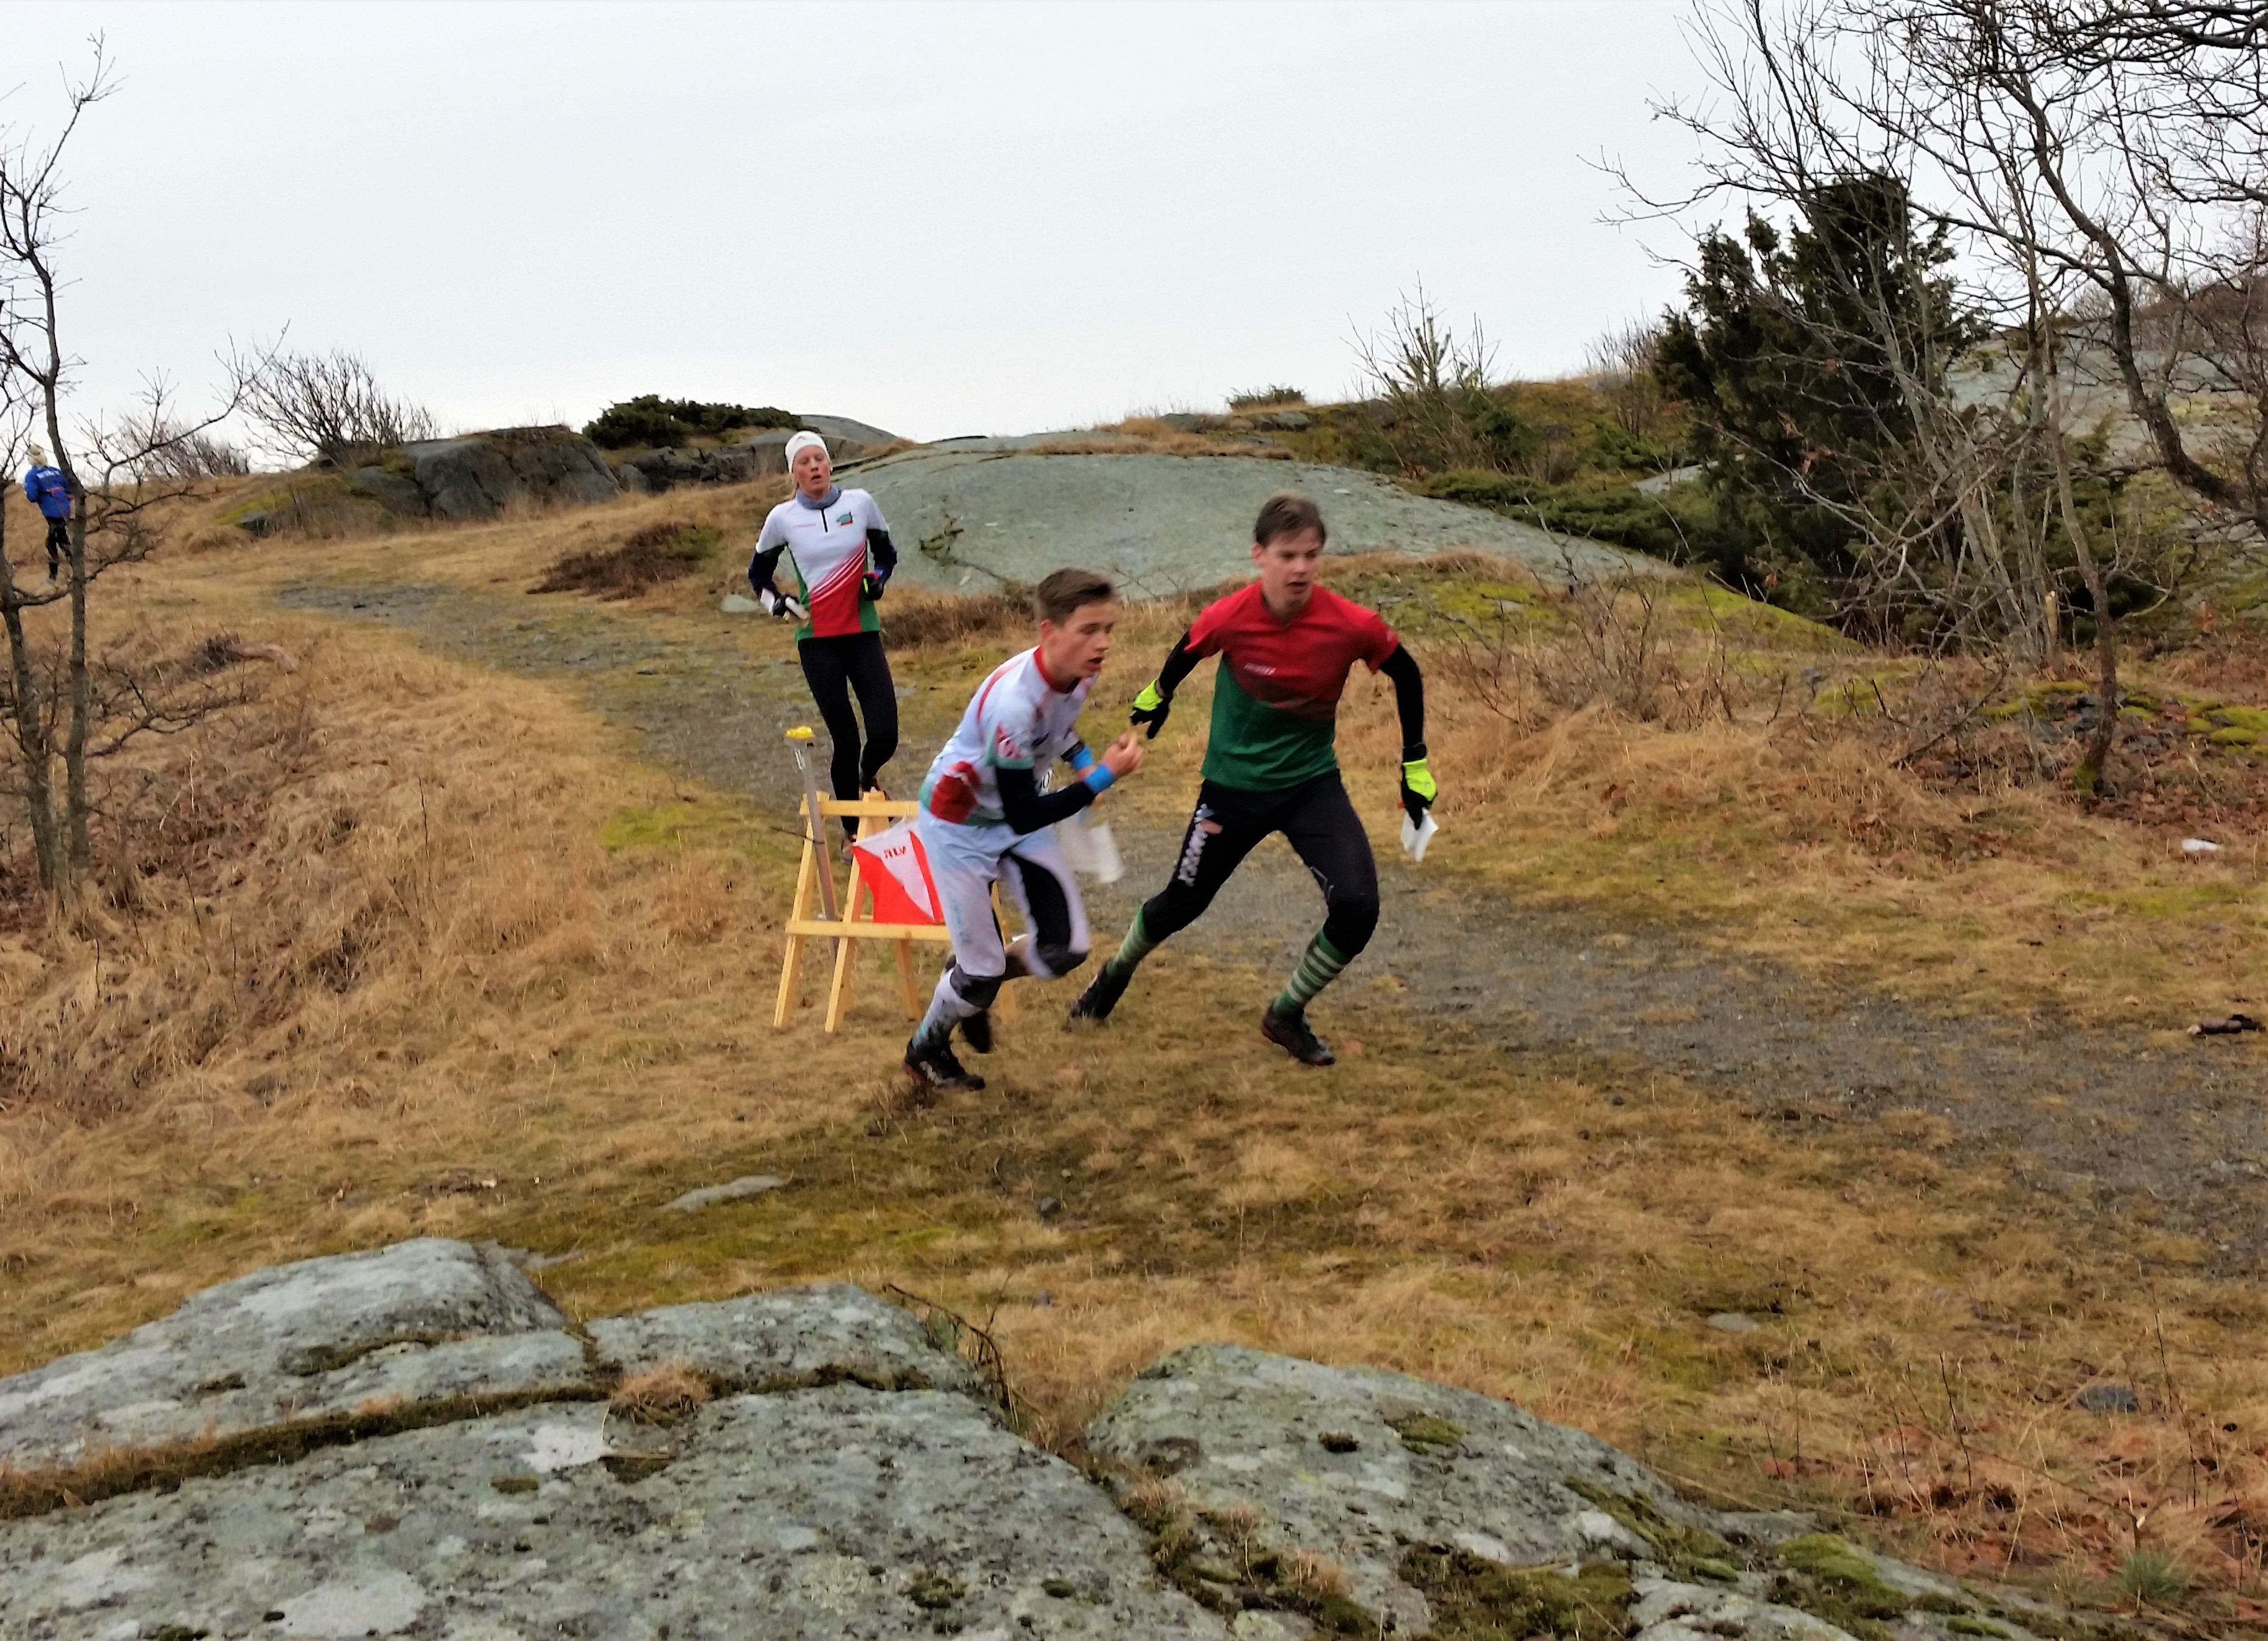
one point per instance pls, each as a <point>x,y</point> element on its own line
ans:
<point>411,946</point>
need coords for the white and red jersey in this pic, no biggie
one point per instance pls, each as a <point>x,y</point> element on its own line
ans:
<point>827,549</point>
<point>1019,719</point>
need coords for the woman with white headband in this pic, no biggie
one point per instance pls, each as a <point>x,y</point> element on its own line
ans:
<point>838,548</point>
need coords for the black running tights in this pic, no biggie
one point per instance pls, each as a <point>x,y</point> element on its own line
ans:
<point>1319,823</point>
<point>836,668</point>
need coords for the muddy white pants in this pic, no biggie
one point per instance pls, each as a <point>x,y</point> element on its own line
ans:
<point>965,861</point>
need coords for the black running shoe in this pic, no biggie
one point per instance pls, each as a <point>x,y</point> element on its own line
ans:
<point>1101,996</point>
<point>978,1028</point>
<point>934,1066</point>
<point>1290,1033</point>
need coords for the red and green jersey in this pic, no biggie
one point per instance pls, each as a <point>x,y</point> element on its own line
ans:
<point>1275,701</point>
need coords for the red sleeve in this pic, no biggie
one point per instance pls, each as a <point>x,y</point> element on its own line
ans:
<point>1209,630</point>
<point>1374,638</point>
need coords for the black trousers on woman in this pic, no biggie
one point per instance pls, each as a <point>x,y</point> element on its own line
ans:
<point>837,669</point>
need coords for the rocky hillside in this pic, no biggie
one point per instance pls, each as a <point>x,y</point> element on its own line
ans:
<point>414,1441</point>
<point>971,513</point>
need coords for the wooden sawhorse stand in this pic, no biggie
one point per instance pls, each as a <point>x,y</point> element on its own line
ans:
<point>872,815</point>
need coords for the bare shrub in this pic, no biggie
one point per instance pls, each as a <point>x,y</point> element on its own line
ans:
<point>171,451</point>
<point>1606,645</point>
<point>329,406</point>
<point>1620,361</point>
<point>1552,458</point>
<point>1434,407</point>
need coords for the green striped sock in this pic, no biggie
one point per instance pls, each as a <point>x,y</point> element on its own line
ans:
<point>1318,966</point>
<point>1136,946</point>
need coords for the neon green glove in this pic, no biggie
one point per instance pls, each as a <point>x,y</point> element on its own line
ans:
<point>1150,708</point>
<point>1419,787</point>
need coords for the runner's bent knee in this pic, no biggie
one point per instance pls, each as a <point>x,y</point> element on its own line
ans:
<point>1349,920</point>
<point>978,990</point>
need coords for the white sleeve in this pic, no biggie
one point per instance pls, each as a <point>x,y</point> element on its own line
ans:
<point>870,512</point>
<point>775,533</point>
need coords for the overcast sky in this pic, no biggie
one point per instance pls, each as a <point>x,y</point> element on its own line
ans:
<point>941,219</point>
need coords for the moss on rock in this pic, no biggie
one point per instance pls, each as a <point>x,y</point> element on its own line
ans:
<point>1475,1600</point>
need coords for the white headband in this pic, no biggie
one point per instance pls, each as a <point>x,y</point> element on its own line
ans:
<point>802,442</point>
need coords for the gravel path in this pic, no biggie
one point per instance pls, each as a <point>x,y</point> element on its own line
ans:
<point>2169,1125</point>
<point>967,518</point>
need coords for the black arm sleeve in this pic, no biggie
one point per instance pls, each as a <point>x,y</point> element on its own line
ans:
<point>760,570</point>
<point>1178,665</point>
<point>884,551</point>
<point>1408,701</point>
<point>1027,809</point>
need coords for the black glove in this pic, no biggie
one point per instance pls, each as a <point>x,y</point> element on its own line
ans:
<point>1151,709</point>
<point>870,586</point>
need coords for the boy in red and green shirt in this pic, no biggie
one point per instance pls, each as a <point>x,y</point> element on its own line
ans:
<point>1285,645</point>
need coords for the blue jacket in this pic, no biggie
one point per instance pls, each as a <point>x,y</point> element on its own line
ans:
<point>45,486</point>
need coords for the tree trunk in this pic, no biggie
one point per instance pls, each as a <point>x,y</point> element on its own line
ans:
<point>80,848</point>
<point>2090,775</point>
<point>35,752</point>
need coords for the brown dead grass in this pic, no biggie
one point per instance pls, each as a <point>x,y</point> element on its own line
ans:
<point>915,620</point>
<point>648,556</point>
<point>402,984</point>
<point>1149,435</point>
<point>663,1395</point>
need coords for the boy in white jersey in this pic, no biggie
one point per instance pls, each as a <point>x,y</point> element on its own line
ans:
<point>983,820</point>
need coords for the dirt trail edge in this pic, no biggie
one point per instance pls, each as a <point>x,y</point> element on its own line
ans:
<point>2164,1127</point>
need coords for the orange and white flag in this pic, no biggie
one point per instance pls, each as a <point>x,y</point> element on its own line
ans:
<point>895,867</point>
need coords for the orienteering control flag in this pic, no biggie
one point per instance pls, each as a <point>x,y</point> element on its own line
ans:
<point>895,867</point>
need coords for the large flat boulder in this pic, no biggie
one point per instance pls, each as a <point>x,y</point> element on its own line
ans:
<point>969,515</point>
<point>834,1512</point>
<point>420,1320</point>
<point>1269,1480</point>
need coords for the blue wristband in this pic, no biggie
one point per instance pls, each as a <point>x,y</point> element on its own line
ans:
<point>1084,762</point>
<point>1099,778</point>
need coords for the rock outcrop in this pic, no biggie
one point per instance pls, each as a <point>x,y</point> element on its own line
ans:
<point>760,455</point>
<point>414,1441</point>
<point>1354,1495</point>
<point>416,1322</point>
<point>479,474</point>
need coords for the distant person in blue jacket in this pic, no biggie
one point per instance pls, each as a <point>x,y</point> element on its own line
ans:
<point>45,489</point>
